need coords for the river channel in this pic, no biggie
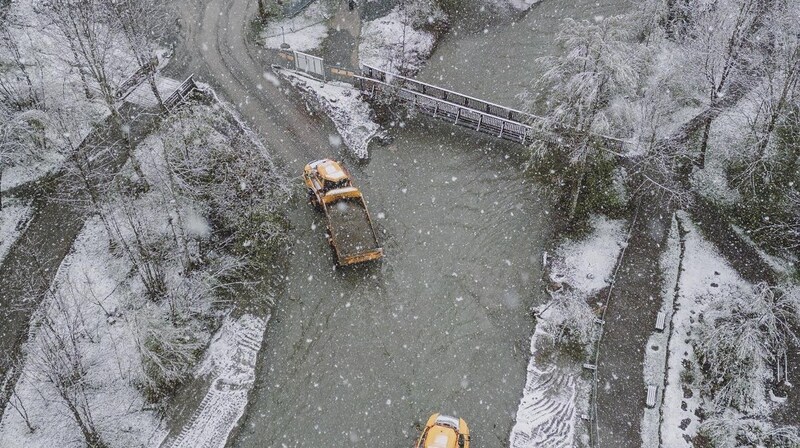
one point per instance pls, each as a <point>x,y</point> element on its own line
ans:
<point>361,356</point>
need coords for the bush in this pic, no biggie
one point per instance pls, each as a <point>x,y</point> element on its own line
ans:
<point>168,353</point>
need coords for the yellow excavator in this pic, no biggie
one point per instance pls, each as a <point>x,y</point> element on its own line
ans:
<point>444,431</point>
<point>350,231</point>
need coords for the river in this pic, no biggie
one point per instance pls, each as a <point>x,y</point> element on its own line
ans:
<point>361,356</point>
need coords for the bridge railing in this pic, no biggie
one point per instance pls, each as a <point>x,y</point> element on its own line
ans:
<point>512,118</point>
<point>457,114</point>
<point>180,94</point>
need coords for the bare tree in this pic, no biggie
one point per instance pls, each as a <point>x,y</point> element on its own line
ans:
<point>91,42</point>
<point>739,335</point>
<point>725,46</point>
<point>20,95</point>
<point>14,399</point>
<point>59,361</point>
<point>143,23</point>
<point>731,429</point>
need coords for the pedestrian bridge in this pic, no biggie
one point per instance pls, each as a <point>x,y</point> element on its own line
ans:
<point>466,111</point>
<point>447,105</point>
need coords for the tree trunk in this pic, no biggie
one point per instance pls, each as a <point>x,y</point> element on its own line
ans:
<point>701,159</point>
<point>154,87</point>
<point>576,189</point>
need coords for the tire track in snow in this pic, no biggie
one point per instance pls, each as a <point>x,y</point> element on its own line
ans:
<point>231,362</point>
<point>546,413</point>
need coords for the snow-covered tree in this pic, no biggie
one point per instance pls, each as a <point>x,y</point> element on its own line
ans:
<point>723,44</point>
<point>143,23</point>
<point>569,319</point>
<point>597,65</point>
<point>739,335</point>
<point>734,430</point>
<point>61,363</point>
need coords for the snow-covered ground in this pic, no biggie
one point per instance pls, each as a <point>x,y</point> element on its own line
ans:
<point>230,364</point>
<point>304,32</point>
<point>705,275</point>
<point>65,114</point>
<point>555,393</point>
<point>586,265</point>
<point>547,414</point>
<point>655,356</point>
<point>87,295</point>
<point>13,220</point>
<point>343,103</point>
<point>400,41</point>
<point>518,5</point>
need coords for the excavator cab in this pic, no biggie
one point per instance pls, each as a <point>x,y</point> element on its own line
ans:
<point>444,431</point>
<point>325,175</point>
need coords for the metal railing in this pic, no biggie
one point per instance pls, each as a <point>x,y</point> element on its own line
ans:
<point>475,108</point>
<point>294,8</point>
<point>179,95</point>
<point>457,114</point>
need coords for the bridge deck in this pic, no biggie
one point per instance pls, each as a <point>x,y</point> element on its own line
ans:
<point>467,111</point>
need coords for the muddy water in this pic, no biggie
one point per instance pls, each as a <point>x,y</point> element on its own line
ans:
<point>494,58</point>
<point>355,356</point>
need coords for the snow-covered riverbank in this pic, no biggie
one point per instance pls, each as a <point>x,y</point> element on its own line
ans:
<point>557,391</point>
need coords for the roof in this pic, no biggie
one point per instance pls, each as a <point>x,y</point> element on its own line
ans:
<point>441,437</point>
<point>330,170</point>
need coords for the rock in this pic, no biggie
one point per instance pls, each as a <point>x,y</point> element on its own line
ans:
<point>590,276</point>
<point>111,320</point>
<point>715,285</point>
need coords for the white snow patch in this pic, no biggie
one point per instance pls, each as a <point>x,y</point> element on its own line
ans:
<point>86,286</point>
<point>519,5</point>
<point>702,266</point>
<point>586,265</point>
<point>655,357</point>
<point>546,414</point>
<point>343,103</point>
<point>304,32</point>
<point>555,392</point>
<point>231,363</point>
<point>396,42</point>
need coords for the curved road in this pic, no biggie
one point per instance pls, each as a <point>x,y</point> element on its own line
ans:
<point>214,48</point>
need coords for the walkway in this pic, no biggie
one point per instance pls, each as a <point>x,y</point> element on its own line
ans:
<point>33,261</point>
<point>630,317</point>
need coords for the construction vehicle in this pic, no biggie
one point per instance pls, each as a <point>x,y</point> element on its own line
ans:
<point>350,231</point>
<point>444,431</point>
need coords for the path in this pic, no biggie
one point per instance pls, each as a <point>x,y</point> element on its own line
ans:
<point>341,46</point>
<point>630,317</point>
<point>33,261</point>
